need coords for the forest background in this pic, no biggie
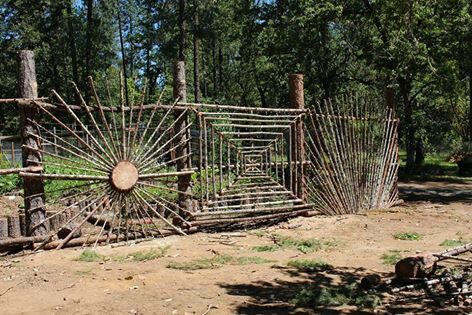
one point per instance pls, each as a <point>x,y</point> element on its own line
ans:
<point>240,52</point>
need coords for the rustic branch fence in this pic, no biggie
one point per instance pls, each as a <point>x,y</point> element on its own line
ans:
<point>148,170</point>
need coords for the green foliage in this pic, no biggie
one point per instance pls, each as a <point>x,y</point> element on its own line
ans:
<point>408,236</point>
<point>347,294</point>
<point>11,182</point>
<point>247,48</point>
<point>309,265</point>
<point>216,261</point>
<point>391,257</point>
<point>436,167</point>
<point>303,245</point>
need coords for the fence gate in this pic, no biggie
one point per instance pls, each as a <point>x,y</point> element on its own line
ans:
<point>103,170</point>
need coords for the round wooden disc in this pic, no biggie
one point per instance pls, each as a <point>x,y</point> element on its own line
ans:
<point>124,176</point>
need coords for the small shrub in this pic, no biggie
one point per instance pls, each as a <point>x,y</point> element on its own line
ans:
<point>348,294</point>
<point>408,236</point>
<point>309,265</point>
<point>90,256</point>
<point>391,257</point>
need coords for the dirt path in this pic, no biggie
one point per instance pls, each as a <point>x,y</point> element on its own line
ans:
<point>55,282</point>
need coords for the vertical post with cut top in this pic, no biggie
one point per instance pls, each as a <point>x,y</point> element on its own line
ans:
<point>297,101</point>
<point>182,151</point>
<point>35,210</point>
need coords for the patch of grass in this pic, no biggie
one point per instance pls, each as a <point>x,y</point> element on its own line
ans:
<point>303,245</point>
<point>309,265</point>
<point>391,257</point>
<point>90,256</point>
<point>266,248</point>
<point>348,294</point>
<point>258,233</point>
<point>408,236</point>
<point>453,242</point>
<point>250,260</point>
<point>143,255</point>
<point>150,254</point>
<point>216,261</point>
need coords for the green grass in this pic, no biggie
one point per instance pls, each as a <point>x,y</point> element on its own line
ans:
<point>309,265</point>
<point>216,262</point>
<point>436,167</point>
<point>391,257</point>
<point>347,294</point>
<point>90,256</point>
<point>408,236</point>
<point>453,243</point>
<point>303,245</point>
<point>143,255</point>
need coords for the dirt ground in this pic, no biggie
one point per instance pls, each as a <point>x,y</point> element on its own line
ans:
<point>55,282</point>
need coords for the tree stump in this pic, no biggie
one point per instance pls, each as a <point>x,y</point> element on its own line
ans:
<point>14,229</point>
<point>419,266</point>
<point>22,224</point>
<point>3,227</point>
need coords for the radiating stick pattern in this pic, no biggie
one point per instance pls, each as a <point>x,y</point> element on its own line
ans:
<point>111,168</point>
<point>352,149</point>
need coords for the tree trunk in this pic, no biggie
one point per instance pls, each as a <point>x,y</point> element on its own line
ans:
<point>196,55</point>
<point>123,59</point>
<point>72,49</point>
<point>419,153</point>
<point>35,209</point>
<point>215,79</point>
<point>204,80</point>
<point>88,45</point>
<point>220,69</point>
<point>470,106</point>
<point>182,29</point>
<point>405,89</point>
<point>88,40</point>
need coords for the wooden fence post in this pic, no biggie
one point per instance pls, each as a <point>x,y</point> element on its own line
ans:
<point>185,162</point>
<point>35,211</point>
<point>297,101</point>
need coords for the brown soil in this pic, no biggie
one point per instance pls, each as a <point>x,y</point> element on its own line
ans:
<point>54,282</point>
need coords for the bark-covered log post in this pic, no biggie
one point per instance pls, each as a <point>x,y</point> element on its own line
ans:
<point>182,151</point>
<point>297,101</point>
<point>35,211</point>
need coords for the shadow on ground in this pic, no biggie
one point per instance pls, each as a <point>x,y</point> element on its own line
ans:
<point>276,296</point>
<point>444,195</point>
